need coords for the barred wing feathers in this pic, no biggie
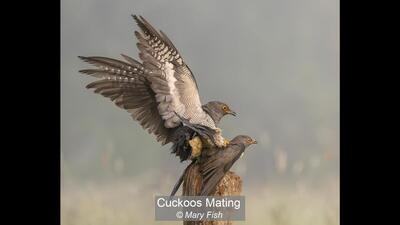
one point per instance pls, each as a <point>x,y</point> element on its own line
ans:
<point>171,79</point>
<point>126,86</point>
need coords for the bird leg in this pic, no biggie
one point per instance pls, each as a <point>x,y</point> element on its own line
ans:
<point>196,145</point>
<point>220,141</point>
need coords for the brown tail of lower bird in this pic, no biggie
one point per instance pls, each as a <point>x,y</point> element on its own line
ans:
<point>180,180</point>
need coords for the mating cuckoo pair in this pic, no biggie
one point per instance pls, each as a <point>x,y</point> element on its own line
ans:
<point>161,93</point>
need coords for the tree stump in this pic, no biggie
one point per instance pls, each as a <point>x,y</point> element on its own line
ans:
<point>231,184</point>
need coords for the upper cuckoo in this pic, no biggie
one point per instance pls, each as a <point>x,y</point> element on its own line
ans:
<point>159,91</point>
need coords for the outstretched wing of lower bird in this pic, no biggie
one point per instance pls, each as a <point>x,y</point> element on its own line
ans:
<point>216,164</point>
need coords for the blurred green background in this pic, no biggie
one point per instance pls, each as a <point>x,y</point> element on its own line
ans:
<point>275,62</point>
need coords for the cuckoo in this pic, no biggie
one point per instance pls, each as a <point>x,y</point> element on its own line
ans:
<point>159,92</point>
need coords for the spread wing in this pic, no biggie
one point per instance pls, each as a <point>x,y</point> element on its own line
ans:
<point>216,164</point>
<point>126,86</point>
<point>171,79</point>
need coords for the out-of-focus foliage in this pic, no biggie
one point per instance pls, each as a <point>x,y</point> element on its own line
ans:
<point>275,62</point>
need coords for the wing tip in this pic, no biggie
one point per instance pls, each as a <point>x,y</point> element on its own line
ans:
<point>136,18</point>
<point>89,86</point>
<point>82,57</point>
<point>85,71</point>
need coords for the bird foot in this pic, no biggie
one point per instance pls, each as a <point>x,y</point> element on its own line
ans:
<point>226,143</point>
<point>220,141</point>
<point>218,130</point>
<point>196,145</point>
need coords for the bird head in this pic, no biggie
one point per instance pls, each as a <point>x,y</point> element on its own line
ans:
<point>217,110</point>
<point>243,139</point>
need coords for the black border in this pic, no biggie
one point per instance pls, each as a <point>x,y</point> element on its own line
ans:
<point>363,151</point>
<point>32,157</point>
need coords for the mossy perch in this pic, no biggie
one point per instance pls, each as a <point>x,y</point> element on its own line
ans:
<point>231,184</point>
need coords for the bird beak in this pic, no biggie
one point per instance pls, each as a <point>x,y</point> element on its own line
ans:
<point>232,113</point>
<point>254,142</point>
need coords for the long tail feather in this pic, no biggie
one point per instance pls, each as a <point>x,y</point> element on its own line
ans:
<point>180,180</point>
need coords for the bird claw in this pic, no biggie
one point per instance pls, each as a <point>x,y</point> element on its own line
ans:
<point>226,143</point>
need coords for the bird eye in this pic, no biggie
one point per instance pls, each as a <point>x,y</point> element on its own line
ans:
<point>225,108</point>
<point>249,140</point>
